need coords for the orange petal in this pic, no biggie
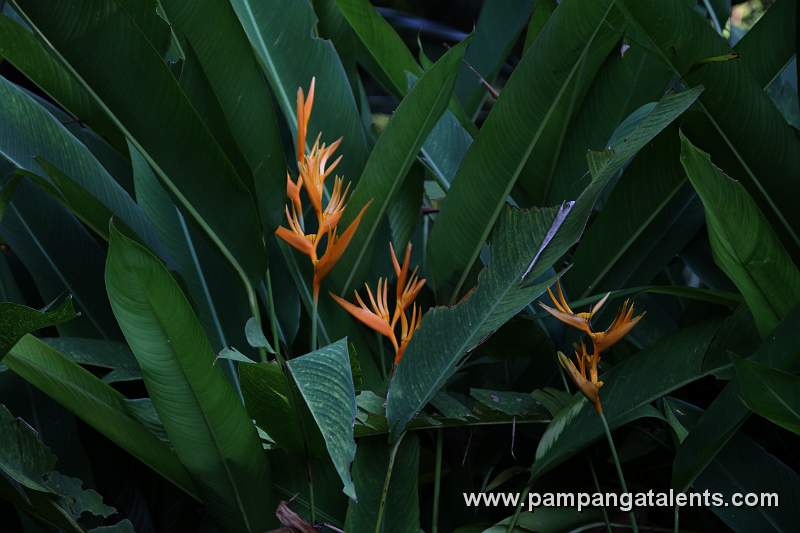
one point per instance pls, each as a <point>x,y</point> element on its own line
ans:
<point>567,318</point>
<point>299,242</point>
<point>605,340</point>
<point>365,316</point>
<point>334,252</point>
<point>587,388</point>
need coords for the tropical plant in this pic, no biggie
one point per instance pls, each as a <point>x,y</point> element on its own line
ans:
<point>192,190</point>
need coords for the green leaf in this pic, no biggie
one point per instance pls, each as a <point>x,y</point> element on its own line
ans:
<point>447,333</point>
<point>34,140</point>
<point>284,30</point>
<point>499,25</point>
<point>23,457</point>
<point>19,46</point>
<point>744,467</point>
<point>743,242</point>
<point>267,395</point>
<point>98,44</point>
<point>208,278</point>
<point>760,153</point>
<point>69,260</point>
<point>531,102</point>
<point>202,415</point>
<point>509,402</point>
<point>539,17</point>
<point>404,213</point>
<point>769,45</point>
<point>369,470</point>
<point>628,388</point>
<point>77,499</point>
<point>726,413</point>
<point>607,253</point>
<point>391,63</point>
<point>6,193</point>
<point>17,320</point>
<point>392,156</point>
<point>771,393</point>
<point>618,94</point>
<point>325,381</point>
<point>238,85</point>
<point>96,403</point>
<point>115,356</point>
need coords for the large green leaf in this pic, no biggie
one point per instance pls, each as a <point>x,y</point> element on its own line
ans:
<point>30,132</point>
<point>726,413</point>
<point>369,470</point>
<point>751,140</point>
<point>743,242</point>
<point>61,256</point>
<point>96,403</point>
<point>766,47</point>
<point>212,434</point>
<point>392,156</point>
<point>17,320</point>
<point>325,381</point>
<point>391,63</point>
<point>622,86</point>
<point>496,32</point>
<point>743,467</point>
<point>643,192</point>
<point>230,65</point>
<point>771,393</point>
<point>534,99</point>
<point>19,46</point>
<point>282,31</point>
<point>115,356</point>
<point>670,364</point>
<point>521,253</point>
<point>23,457</point>
<point>112,57</point>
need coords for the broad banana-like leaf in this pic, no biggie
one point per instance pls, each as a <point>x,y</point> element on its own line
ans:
<point>744,245</point>
<point>282,31</point>
<point>17,320</point>
<point>204,418</point>
<point>97,404</point>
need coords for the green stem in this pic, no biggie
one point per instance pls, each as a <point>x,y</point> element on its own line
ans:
<point>597,488</point>
<point>386,481</point>
<point>381,356</point>
<point>437,480</point>
<point>311,497</point>
<point>677,519</point>
<point>520,504</point>
<point>314,318</point>
<point>273,315</point>
<point>634,525</point>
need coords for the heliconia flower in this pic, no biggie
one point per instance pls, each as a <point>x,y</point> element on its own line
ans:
<point>588,385</point>
<point>376,316</point>
<point>622,325</point>
<point>565,314</point>
<point>585,375</point>
<point>315,167</point>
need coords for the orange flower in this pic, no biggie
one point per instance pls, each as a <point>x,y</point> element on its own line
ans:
<point>314,170</point>
<point>585,375</point>
<point>376,316</point>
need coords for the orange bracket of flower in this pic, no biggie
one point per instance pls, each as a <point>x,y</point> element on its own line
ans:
<point>377,316</point>
<point>315,168</point>
<point>585,375</point>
